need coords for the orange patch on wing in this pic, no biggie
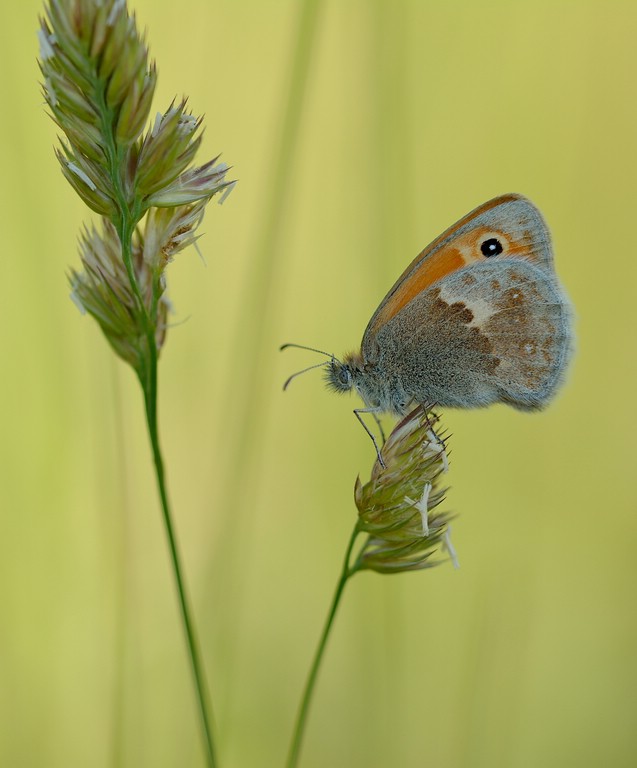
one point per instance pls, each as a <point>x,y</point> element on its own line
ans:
<point>431,270</point>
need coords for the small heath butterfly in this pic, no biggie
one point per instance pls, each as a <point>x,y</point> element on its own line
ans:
<point>478,317</point>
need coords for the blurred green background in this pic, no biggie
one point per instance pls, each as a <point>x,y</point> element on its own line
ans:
<point>358,131</point>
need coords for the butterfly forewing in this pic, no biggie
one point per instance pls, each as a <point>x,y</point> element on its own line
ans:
<point>511,221</point>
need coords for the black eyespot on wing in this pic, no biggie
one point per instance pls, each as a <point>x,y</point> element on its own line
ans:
<point>491,247</point>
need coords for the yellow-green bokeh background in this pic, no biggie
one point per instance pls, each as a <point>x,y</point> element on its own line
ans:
<point>411,114</point>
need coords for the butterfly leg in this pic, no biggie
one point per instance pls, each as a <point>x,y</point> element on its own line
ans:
<point>380,426</point>
<point>427,409</point>
<point>374,411</point>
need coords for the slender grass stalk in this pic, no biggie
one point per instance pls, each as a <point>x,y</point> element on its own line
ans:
<point>150,401</point>
<point>98,84</point>
<point>122,574</point>
<point>397,511</point>
<point>301,718</point>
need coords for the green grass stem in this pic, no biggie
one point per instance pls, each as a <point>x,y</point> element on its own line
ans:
<point>301,719</point>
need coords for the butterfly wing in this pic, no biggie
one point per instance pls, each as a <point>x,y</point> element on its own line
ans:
<point>511,220</point>
<point>463,328</point>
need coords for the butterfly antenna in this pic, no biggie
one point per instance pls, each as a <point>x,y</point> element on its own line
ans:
<point>298,373</point>
<point>309,349</point>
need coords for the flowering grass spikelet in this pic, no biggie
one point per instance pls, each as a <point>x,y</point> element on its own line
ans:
<point>398,506</point>
<point>98,85</point>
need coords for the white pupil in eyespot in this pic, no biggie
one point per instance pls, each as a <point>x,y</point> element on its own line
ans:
<point>491,247</point>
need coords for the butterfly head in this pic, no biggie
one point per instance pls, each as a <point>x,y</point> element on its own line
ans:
<point>343,375</point>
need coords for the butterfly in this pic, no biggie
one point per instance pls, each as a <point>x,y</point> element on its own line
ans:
<point>478,317</point>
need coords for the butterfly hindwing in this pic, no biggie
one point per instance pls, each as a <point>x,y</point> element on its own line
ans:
<point>497,330</point>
